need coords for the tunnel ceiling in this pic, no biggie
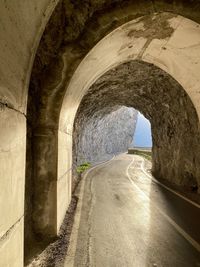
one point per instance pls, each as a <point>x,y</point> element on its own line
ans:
<point>136,84</point>
<point>74,28</point>
<point>175,125</point>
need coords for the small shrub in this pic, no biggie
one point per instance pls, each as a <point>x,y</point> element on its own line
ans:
<point>83,167</point>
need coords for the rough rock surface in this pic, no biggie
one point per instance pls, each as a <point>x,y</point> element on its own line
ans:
<point>98,136</point>
<point>175,125</point>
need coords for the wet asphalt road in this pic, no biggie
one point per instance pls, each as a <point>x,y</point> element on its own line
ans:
<point>129,220</point>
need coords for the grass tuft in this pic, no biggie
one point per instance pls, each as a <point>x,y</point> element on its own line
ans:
<point>83,167</point>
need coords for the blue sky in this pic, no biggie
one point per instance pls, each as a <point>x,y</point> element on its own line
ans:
<point>142,136</point>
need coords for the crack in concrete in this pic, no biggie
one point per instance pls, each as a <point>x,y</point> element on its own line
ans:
<point>144,48</point>
<point>63,175</point>
<point>4,105</point>
<point>8,233</point>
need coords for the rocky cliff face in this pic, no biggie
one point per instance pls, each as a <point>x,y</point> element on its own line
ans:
<point>104,134</point>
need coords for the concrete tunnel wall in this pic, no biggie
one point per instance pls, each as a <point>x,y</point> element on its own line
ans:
<point>59,53</point>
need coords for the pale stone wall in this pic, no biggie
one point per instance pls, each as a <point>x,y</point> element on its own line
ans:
<point>64,183</point>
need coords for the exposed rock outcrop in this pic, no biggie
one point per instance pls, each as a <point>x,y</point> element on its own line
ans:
<point>100,135</point>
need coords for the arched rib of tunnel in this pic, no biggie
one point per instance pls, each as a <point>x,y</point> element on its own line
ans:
<point>175,125</point>
<point>57,58</point>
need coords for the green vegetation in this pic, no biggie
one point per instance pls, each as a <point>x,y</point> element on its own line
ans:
<point>83,167</point>
<point>143,153</point>
<point>146,155</point>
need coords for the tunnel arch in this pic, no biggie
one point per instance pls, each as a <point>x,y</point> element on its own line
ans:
<point>175,123</point>
<point>51,111</point>
<point>117,48</point>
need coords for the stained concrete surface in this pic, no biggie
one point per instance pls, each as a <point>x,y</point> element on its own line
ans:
<point>132,221</point>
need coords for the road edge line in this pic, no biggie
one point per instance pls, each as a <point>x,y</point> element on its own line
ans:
<point>168,188</point>
<point>193,242</point>
<point>69,259</point>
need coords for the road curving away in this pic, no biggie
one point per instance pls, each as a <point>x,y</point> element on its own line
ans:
<point>125,218</point>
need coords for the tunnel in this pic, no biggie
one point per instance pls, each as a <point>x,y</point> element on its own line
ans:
<point>163,101</point>
<point>137,65</point>
<point>64,66</point>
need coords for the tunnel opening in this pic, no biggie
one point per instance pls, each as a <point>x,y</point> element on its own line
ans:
<point>142,137</point>
<point>110,132</point>
<point>100,137</point>
<point>174,122</point>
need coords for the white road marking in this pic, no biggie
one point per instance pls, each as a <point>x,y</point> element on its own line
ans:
<point>70,257</point>
<point>166,187</point>
<point>193,242</point>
